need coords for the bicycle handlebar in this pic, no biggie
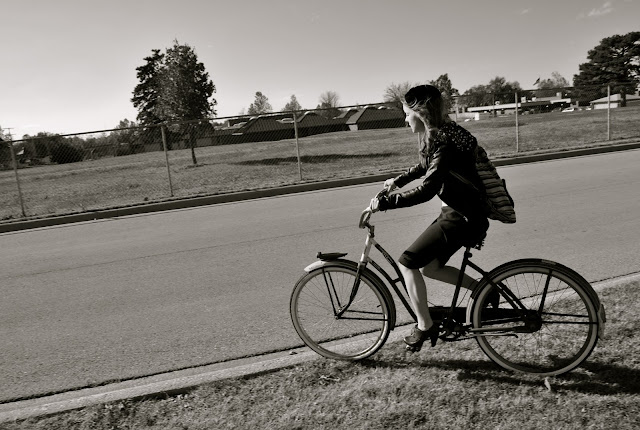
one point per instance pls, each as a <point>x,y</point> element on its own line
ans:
<point>364,218</point>
<point>366,214</point>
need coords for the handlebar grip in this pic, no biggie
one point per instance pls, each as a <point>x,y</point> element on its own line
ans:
<point>366,214</point>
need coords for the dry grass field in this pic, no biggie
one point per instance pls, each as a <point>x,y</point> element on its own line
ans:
<point>135,179</point>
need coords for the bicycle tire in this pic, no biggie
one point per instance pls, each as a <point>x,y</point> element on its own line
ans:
<point>568,319</point>
<point>362,330</point>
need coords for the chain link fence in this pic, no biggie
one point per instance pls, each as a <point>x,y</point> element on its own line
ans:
<point>64,174</point>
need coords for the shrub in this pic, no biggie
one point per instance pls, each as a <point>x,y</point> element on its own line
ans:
<point>62,153</point>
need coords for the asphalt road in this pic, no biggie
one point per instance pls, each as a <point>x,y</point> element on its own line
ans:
<point>99,301</point>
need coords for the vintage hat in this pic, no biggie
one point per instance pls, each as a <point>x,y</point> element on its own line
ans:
<point>421,94</point>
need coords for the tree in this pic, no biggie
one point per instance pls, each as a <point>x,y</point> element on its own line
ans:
<point>174,87</point>
<point>616,62</point>
<point>394,93</point>
<point>478,95</point>
<point>146,94</point>
<point>293,104</point>
<point>502,90</point>
<point>61,150</point>
<point>127,133</point>
<point>443,83</point>
<point>42,143</point>
<point>498,91</point>
<point>329,102</point>
<point>549,87</point>
<point>260,105</point>
<point>556,81</point>
<point>63,153</point>
<point>186,89</point>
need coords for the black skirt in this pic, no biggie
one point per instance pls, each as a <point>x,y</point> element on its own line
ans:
<point>443,238</point>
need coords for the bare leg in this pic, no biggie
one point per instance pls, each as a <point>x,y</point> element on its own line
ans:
<point>448,274</point>
<point>417,290</point>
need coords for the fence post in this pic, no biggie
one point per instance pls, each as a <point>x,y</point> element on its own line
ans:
<point>517,129</point>
<point>166,157</point>
<point>608,112</point>
<point>493,105</point>
<point>457,109</point>
<point>15,169</point>
<point>295,131</point>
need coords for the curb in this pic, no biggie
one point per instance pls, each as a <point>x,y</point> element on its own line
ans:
<point>271,192</point>
<point>178,382</point>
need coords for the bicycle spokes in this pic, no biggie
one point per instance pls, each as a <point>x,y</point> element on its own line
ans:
<point>333,320</point>
<point>550,313</point>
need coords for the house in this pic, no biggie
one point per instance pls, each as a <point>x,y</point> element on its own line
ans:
<point>311,123</point>
<point>257,129</point>
<point>616,101</point>
<point>370,117</point>
<point>345,115</point>
<point>274,127</point>
<point>539,104</point>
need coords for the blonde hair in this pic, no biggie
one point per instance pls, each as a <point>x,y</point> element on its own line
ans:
<point>433,113</point>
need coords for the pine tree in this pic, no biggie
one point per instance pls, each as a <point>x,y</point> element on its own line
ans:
<point>174,87</point>
<point>293,104</point>
<point>260,105</point>
<point>146,93</point>
<point>616,62</point>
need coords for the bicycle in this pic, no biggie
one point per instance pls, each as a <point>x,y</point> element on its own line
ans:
<point>548,320</point>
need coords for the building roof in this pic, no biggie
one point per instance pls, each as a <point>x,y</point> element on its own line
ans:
<point>545,102</point>
<point>615,98</point>
<point>369,113</point>
<point>347,113</point>
<point>312,119</point>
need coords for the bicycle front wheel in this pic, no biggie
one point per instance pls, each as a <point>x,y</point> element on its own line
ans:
<point>557,331</point>
<point>316,304</point>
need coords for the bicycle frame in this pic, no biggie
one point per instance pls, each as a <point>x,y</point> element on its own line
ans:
<point>370,242</point>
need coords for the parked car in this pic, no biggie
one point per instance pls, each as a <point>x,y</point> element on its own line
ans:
<point>569,109</point>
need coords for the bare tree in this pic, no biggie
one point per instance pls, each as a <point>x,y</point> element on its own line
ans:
<point>329,102</point>
<point>394,93</point>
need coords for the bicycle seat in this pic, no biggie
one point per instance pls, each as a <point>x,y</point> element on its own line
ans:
<point>330,255</point>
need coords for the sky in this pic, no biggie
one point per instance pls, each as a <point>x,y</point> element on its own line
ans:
<point>69,66</point>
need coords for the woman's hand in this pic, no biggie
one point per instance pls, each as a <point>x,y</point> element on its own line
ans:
<point>390,184</point>
<point>374,206</point>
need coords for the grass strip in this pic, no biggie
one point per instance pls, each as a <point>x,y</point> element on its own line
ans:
<point>451,386</point>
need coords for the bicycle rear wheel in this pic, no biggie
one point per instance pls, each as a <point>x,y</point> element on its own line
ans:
<point>561,325</point>
<point>317,299</point>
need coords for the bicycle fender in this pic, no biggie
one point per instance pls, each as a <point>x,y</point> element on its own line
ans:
<point>316,265</point>
<point>600,312</point>
<point>369,274</point>
<point>539,261</point>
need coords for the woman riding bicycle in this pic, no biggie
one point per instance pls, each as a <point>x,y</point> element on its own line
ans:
<point>444,147</point>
